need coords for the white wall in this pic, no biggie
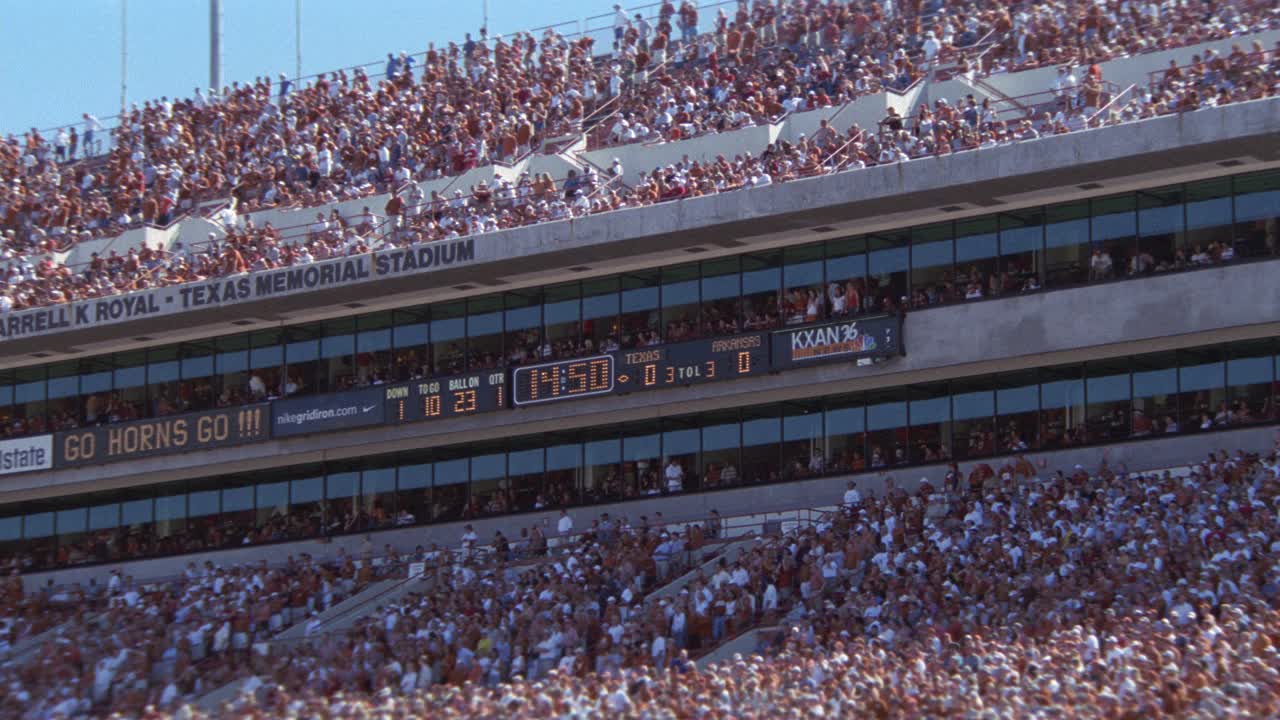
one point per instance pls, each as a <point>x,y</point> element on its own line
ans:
<point>122,243</point>
<point>1130,70</point>
<point>646,157</point>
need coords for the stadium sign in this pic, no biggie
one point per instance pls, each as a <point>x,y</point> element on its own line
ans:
<point>846,340</point>
<point>26,454</point>
<point>326,274</point>
<point>162,436</point>
<point>322,413</point>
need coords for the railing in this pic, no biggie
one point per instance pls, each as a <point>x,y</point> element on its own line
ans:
<point>1093,120</point>
<point>826,162</point>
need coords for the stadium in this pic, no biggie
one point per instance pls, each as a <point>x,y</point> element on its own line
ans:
<point>740,359</point>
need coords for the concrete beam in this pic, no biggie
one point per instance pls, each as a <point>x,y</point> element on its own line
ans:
<point>1093,322</point>
<point>1155,453</point>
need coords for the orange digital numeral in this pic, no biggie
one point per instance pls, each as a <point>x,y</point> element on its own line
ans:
<point>600,374</point>
<point>431,406</point>
<point>579,378</point>
<point>464,401</point>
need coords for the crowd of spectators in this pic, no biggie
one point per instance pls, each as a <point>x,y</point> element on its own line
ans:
<point>1003,592</point>
<point>122,644</point>
<point>24,615</point>
<point>350,134</point>
<point>1003,589</point>
<point>567,602</point>
<point>125,645</point>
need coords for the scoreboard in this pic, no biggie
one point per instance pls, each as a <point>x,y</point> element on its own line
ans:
<point>437,398</point>
<point>652,368</point>
<point>607,374</point>
<point>694,362</point>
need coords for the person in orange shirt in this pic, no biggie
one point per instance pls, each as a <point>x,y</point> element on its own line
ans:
<point>233,262</point>
<point>732,42</point>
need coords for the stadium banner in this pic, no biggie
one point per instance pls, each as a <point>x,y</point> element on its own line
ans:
<point>245,288</point>
<point>845,340</point>
<point>323,413</point>
<point>27,454</point>
<point>162,436</point>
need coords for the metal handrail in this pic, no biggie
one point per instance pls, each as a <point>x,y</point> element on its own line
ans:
<point>1089,122</point>
<point>856,138</point>
<point>602,122</point>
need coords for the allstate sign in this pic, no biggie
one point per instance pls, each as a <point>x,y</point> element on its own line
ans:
<point>27,454</point>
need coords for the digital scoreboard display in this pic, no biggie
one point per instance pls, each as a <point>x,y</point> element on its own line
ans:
<point>476,392</point>
<point>693,362</point>
<point>649,368</point>
<point>563,380</point>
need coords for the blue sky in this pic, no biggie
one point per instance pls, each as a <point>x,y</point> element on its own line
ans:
<point>62,59</point>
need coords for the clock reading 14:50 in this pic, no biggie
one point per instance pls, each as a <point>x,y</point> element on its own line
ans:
<point>548,382</point>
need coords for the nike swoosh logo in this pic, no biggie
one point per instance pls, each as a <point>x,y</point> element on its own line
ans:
<point>367,408</point>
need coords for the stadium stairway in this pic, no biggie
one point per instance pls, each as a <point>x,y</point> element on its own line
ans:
<point>339,617</point>
<point>362,609</point>
<point>729,553</point>
<point>739,540</point>
<point>335,620</point>
<point>26,650</point>
<point>745,644</point>
<point>211,701</point>
<point>338,612</point>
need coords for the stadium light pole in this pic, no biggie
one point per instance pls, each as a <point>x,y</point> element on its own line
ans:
<point>124,53</point>
<point>297,40</point>
<point>215,46</point>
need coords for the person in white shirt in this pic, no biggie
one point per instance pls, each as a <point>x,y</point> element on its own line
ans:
<point>931,46</point>
<point>91,126</point>
<point>469,538</point>
<point>770,600</point>
<point>257,386</point>
<point>60,143</point>
<point>851,495</point>
<point>620,22</point>
<point>675,476</point>
<point>1064,87</point>
<point>659,650</point>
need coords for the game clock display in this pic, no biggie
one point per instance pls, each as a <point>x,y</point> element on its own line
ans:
<point>549,382</point>
<point>477,392</point>
<point>628,371</point>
